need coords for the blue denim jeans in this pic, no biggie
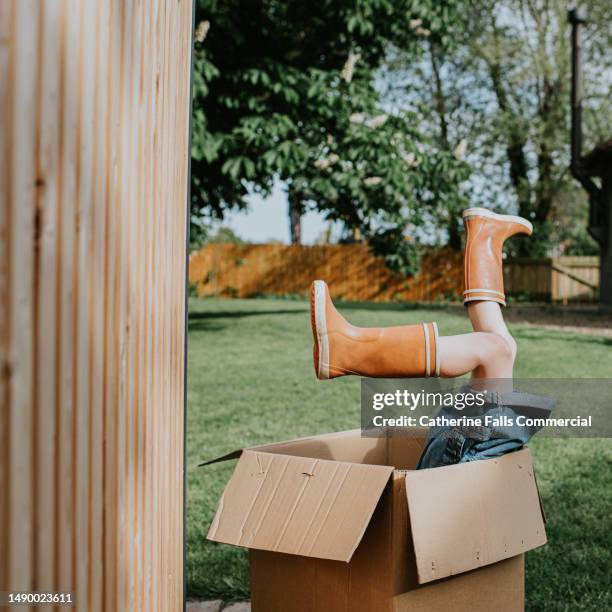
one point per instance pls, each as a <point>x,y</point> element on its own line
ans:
<point>447,445</point>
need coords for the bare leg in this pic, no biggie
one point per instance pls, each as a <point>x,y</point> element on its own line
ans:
<point>485,354</point>
<point>486,233</point>
<point>487,317</point>
<point>409,350</point>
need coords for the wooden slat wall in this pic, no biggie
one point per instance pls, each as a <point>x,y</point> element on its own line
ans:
<point>354,273</point>
<point>565,288</point>
<point>528,276</point>
<point>94,122</point>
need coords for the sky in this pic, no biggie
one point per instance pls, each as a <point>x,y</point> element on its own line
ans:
<point>267,220</point>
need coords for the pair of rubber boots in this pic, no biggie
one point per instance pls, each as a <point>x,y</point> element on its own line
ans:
<point>411,350</point>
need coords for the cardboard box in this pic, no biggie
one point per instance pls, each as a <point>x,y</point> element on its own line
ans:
<point>343,523</point>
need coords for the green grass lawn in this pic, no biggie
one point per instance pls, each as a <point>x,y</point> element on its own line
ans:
<point>251,380</point>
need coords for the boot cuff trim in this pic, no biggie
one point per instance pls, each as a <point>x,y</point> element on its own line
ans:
<point>484,291</point>
<point>436,349</point>
<point>484,298</point>
<point>432,355</point>
<point>427,349</point>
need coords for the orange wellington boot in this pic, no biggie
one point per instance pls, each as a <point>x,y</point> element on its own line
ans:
<point>486,233</point>
<point>377,352</point>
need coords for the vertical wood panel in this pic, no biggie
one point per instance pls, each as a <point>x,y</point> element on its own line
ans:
<point>20,295</point>
<point>96,325</point>
<point>46,291</point>
<point>6,22</point>
<point>94,119</point>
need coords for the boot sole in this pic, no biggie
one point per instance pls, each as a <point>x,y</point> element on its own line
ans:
<point>484,212</point>
<point>319,330</point>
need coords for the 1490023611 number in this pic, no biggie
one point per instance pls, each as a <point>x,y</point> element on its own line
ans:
<point>33,598</point>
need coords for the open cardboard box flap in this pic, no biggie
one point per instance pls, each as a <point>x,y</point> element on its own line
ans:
<point>469,515</point>
<point>298,505</point>
<point>338,445</point>
<point>315,497</point>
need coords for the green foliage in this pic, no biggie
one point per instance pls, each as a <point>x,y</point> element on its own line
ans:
<point>224,235</point>
<point>580,242</point>
<point>286,91</point>
<point>201,235</point>
<point>503,89</point>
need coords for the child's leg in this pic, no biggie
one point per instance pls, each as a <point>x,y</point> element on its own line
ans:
<point>484,283</point>
<point>485,354</point>
<point>487,317</point>
<point>399,352</point>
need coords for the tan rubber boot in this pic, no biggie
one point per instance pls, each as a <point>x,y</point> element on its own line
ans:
<point>486,233</point>
<point>340,348</point>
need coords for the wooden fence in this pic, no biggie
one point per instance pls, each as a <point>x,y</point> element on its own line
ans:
<point>94,126</point>
<point>575,279</point>
<point>353,273</point>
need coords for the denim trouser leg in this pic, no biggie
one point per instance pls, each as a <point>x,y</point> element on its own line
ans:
<point>459,444</point>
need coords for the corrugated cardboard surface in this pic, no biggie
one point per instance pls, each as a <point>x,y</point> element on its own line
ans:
<point>403,564</point>
<point>499,587</point>
<point>469,515</point>
<point>403,453</point>
<point>291,583</point>
<point>399,452</point>
<point>332,526</point>
<point>337,446</point>
<point>298,505</point>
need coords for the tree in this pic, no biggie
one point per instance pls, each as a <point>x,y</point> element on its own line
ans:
<point>286,91</point>
<point>504,90</point>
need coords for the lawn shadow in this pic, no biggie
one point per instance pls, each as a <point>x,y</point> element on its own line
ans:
<point>538,334</point>
<point>396,306</point>
<point>210,321</point>
<point>204,325</point>
<point>237,314</point>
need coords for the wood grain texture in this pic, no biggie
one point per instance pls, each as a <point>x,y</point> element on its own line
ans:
<point>94,144</point>
<point>354,273</point>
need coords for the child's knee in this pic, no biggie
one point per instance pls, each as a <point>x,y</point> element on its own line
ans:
<point>499,348</point>
<point>512,345</point>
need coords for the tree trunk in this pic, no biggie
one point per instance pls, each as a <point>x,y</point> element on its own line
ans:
<point>440,101</point>
<point>454,229</point>
<point>295,217</point>
<point>605,273</point>
<point>515,147</point>
<point>454,233</point>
